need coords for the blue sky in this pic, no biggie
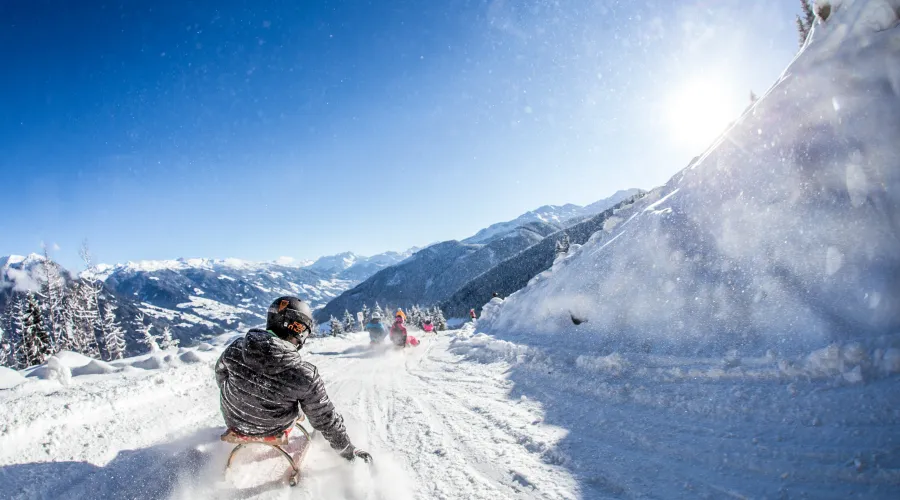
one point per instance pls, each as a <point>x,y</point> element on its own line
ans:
<point>236,129</point>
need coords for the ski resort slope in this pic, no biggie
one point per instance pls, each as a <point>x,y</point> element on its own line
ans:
<point>462,416</point>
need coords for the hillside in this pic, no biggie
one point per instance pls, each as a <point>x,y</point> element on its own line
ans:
<point>782,238</point>
<point>434,273</point>
<point>514,273</point>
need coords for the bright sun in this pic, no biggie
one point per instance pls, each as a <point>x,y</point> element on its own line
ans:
<point>698,112</point>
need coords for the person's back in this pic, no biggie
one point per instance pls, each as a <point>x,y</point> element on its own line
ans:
<point>428,326</point>
<point>264,383</point>
<point>262,380</point>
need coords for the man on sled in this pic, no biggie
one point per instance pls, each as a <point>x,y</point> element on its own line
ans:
<point>265,384</point>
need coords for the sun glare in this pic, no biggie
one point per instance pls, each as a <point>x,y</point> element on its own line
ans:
<point>698,112</point>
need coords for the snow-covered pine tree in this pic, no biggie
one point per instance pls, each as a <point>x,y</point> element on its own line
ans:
<point>349,322</point>
<point>144,330</point>
<point>35,337</point>
<point>167,342</point>
<point>18,359</point>
<point>85,317</point>
<point>114,334</point>
<point>90,301</point>
<point>6,346</point>
<point>336,327</point>
<point>437,317</point>
<point>366,315</point>
<point>53,290</point>
<point>415,316</point>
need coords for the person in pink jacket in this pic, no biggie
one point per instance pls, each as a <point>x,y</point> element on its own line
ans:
<point>428,326</point>
<point>398,334</point>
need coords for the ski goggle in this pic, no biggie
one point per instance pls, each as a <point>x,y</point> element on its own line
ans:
<point>297,327</point>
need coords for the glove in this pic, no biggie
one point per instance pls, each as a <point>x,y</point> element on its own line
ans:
<point>351,453</point>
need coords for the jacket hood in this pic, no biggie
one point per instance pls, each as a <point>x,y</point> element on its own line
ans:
<point>267,353</point>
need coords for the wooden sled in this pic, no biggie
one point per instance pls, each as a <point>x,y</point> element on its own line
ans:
<point>276,442</point>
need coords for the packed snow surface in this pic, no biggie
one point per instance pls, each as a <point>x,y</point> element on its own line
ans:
<point>464,416</point>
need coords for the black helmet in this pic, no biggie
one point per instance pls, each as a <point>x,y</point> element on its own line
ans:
<point>290,317</point>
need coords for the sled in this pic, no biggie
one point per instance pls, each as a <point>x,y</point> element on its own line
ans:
<point>277,443</point>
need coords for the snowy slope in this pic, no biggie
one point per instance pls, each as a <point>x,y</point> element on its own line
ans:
<point>784,236</point>
<point>551,214</point>
<point>462,416</point>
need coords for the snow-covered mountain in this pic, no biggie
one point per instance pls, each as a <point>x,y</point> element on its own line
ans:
<point>334,264</point>
<point>434,273</point>
<point>198,298</point>
<point>784,236</point>
<point>352,267</point>
<point>514,273</point>
<point>20,275</point>
<point>209,296</point>
<point>551,214</point>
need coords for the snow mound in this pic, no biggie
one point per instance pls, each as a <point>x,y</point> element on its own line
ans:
<point>54,369</point>
<point>150,363</point>
<point>487,349</point>
<point>94,367</point>
<point>196,357</point>
<point>10,378</point>
<point>72,359</point>
<point>782,235</point>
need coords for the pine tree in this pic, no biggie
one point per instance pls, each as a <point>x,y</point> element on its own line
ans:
<point>6,347</point>
<point>53,290</point>
<point>114,334</point>
<point>144,330</point>
<point>805,20</point>
<point>438,319</point>
<point>379,310</point>
<point>18,358</point>
<point>35,337</point>
<point>336,327</point>
<point>167,341</point>
<point>85,318</point>
<point>349,322</point>
<point>365,312</point>
<point>415,316</point>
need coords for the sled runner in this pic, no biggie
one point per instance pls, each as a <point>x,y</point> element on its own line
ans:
<point>278,443</point>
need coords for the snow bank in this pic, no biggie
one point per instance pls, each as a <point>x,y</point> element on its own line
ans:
<point>841,364</point>
<point>9,378</point>
<point>783,235</point>
<point>94,367</point>
<point>54,369</point>
<point>67,367</point>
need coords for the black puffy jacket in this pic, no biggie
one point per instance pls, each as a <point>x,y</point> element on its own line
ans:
<point>262,379</point>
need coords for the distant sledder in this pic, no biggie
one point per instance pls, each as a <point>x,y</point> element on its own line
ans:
<point>377,329</point>
<point>265,384</point>
<point>399,336</point>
